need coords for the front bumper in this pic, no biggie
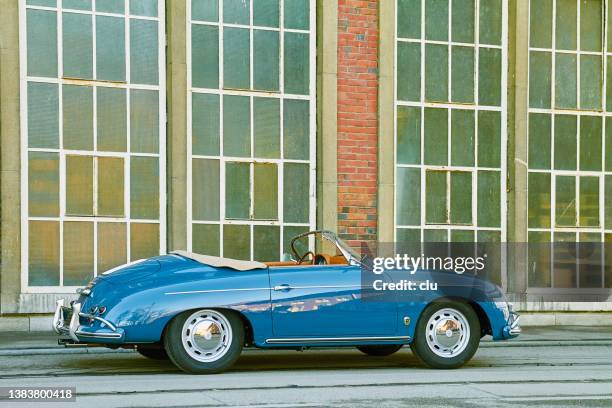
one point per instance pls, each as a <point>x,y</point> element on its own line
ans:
<point>512,328</point>
<point>67,320</point>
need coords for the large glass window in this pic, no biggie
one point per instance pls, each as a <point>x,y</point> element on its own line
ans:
<point>450,124</point>
<point>93,142</point>
<point>570,156</point>
<point>251,127</point>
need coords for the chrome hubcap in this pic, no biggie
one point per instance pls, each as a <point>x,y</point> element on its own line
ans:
<point>206,335</point>
<point>448,332</point>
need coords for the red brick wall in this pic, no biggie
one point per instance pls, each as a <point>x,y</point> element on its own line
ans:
<point>357,119</point>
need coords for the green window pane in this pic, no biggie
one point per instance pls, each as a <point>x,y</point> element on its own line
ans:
<point>297,14</point>
<point>539,200</point>
<point>236,11</point>
<point>490,21</point>
<point>436,73</point>
<point>590,143</point>
<point>266,13</point>
<point>539,252</point>
<point>608,201</point>
<point>462,137</point>
<point>266,243</point>
<point>565,30</point>
<point>41,43</point>
<point>288,234</point>
<point>43,115</point>
<point>144,240</point>
<point>565,206</point>
<point>143,8</point>
<point>237,191</point>
<point>144,52</point>
<point>111,6</point>
<point>407,235</point>
<point>110,48</point>
<point>565,81</point>
<point>43,253</point>
<point>460,197</point>
<point>237,241</point>
<point>205,124</point>
<point>489,139</point>
<point>489,199</point>
<point>205,10</point>
<point>461,236</point>
<point>436,136</point>
<point>489,77</point>
<point>608,157</point>
<point>590,81</point>
<point>144,187</point>
<point>540,74</point>
<point>436,211</point>
<point>204,56</point>
<point>205,239</point>
<point>565,142</point>
<point>266,127</point>
<point>296,192</point>
<point>589,202</point>
<point>44,3</point>
<point>296,129</point>
<point>540,23</point>
<point>43,184</point>
<point>435,235</point>
<point>409,18</point>
<point>78,253</point>
<point>489,236</point>
<point>408,193</point>
<point>77,107</point>
<point>79,185</point>
<point>112,119</point>
<point>564,265</point>
<point>590,273</point>
<point>462,29</point>
<point>144,121</point>
<point>297,63</point>
<point>408,71</point>
<point>591,25</point>
<point>436,20</point>
<point>265,60</point>
<point>265,191</point>
<point>111,186</point>
<point>77,43</point>
<point>236,126</point>
<point>205,204</point>
<point>462,74</point>
<point>236,58</point>
<point>408,135</point>
<point>609,83</point>
<point>539,140</point>
<point>112,245</point>
<point>76,4</point>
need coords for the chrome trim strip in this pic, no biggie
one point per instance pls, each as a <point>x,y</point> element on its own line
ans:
<point>100,319</point>
<point>333,339</point>
<point>213,291</point>
<point>98,335</point>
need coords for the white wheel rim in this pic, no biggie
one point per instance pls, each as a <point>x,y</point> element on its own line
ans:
<point>447,333</point>
<point>206,335</point>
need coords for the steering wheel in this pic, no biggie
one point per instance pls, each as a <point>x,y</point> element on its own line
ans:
<point>303,258</point>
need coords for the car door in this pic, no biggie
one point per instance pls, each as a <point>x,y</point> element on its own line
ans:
<point>325,301</point>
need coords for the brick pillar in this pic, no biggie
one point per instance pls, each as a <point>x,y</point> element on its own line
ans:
<point>357,119</point>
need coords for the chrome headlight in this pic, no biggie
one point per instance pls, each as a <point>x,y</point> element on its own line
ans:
<point>505,308</point>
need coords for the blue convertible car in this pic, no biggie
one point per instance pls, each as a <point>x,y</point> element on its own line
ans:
<point>200,311</point>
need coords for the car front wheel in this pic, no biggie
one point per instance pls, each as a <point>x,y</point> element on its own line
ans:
<point>447,335</point>
<point>204,342</point>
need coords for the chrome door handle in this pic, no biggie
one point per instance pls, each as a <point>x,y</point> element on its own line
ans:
<point>282,287</point>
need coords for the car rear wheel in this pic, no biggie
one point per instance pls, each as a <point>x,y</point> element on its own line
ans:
<point>204,342</point>
<point>447,335</point>
<point>152,352</point>
<point>380,351</point>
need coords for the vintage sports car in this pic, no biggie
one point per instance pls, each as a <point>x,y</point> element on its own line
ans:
<point>200,311</point>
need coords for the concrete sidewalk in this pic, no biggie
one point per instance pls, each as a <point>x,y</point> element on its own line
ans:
<point>32,343</point>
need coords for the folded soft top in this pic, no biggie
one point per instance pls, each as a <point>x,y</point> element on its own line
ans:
<point>219,262</point>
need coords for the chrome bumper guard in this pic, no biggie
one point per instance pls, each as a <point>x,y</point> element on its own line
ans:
<point>512,328</point>
<point>66,320</point>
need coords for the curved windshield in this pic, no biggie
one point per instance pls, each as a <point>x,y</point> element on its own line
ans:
<point>321,241</point>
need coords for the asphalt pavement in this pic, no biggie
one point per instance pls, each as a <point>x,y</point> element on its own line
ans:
<point>544,367</point>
